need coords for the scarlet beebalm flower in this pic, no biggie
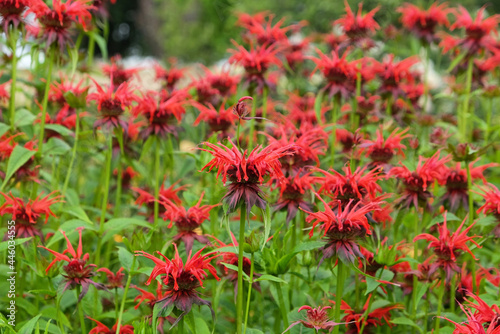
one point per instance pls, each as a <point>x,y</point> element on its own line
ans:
<point>264,32</point>
<point>394,74</point>
<point>188,222</point>
<point>59,89</point>
<point>358,26</point>
<point>165,195</point>
<point>77,271</point>
<point>118,73</point>
<point>342,228</point>
<point>26,215</point>
<point>170,76</point>
<point>181,279</point>
<point>115,280</point>
<point>423,22</point>
<point>317,318</point>
<point>103,329</point>
<point>218,120</point>
<point>212,87</point>
<point>448,247</point>
<point>373,319</point>
<point>381,150</point>
<point>293,193</point>
<point>7,145</point>
<point>11,12</point>
<point>111,104</point>
<point>232,259</point>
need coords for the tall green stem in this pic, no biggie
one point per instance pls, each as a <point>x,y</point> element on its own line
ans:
<point>281,300</point>
<point>239,297</point>
<point>469,195</point>
<point>333,137</point>
<point>124,298</point>
<point>489,111</point>
<point>247,310</point>
<point>157,181</point>
<point>45,102</point>
<point>440,307</point>
<point>80,309</point>
<point>338,296</point>
<point>252,123</point>
<point>12,104</point>
<point>465,108</point>
<point>73,153</point>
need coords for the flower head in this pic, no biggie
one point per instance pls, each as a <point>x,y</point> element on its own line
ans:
<point>117,72</point>
<point>423,22</point>
<point>103,329</point>
<point>115,280</point>
<point>11,12</point>
<point>218,120</point>
<point>293,194</point>
<point>171,76</point>
<point>381,150</point>
<point>317,318</point>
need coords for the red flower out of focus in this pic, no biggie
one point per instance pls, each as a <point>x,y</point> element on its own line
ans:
<point>213,87</point>
<point>373,319</point>
<point>188,222</point>
<point>246,172</point>
<point>359,27</point>
<point>165,195</point>
<point>171,76</point>
<point>394,74</point>
<point>77,271</point>
<point>111,104</point>
<point>26,215</point>
<point>181,279</point>
<point>232,259</point>
<point>342,229</point>
<point>7,145</point>
<point>492,205</point>
<point>118,73</point>
<point>115,280</point>
<point>59,89</point>
<point>293,194</point>
<point>218,121</point>
<point>317,318</point>
<point>103,329</point>
<point>381,150</point>
<point>415,183</point>
<point>423,22</point>
<point>11,12</point>
<point>448,247</point>
<point>161,110</point>
<point>256,62</point>
<point>264,32</point>
<point>57,22</point>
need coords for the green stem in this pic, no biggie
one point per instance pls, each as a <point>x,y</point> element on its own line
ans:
<point>73,153</point>
<point>465,109</point>
<point>12,104</point>
<point>45,102</point>
<point>239,297</point>
<point>80,309</point>
<point>238,134</point>
<point>452,293</point>
<point>469,191</point>
<point>59,313</point>
<point>354,117</point>
<point>333,137</point>
<point>489,111</point>
<point>249,293</point>
<point>440,307</point>
<point>340,291</point>
<point>252,123</point>
<point>124,298</point>
<point>281,300</point>
<point>157,181</point>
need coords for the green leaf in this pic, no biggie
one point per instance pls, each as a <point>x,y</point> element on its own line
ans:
<point>456,61</point>
<point>3,129</point>
<point>307,246</point>
<point>29,326</point>
<point>406,321</point>
<point>117,225</point>
<point>24,117</point>
<point>59,129</point>
<point>101,42</point>
<point>18,158</point>
<point>5,244</point>
<point>78,212</point>
<point>70,226</point>
<point>270,278</point>
<point>235,268</point>
<point>317,106</point>
<point>56,146</point>
<point>267,225</point>
<point>126,258</point>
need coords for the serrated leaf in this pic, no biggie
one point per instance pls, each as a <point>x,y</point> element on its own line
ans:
<point>270,278</point>
<point>126,258</point>
<point>78,212</point>
<point>56,146</point>
<point>24,117</point>
<point>18,158</point>
<point>29,326</point>
<point>5,244</point>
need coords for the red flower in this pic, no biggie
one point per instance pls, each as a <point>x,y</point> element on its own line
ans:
<point>293,193</point>
<point>114,280</point>
<point>117,72</point>
<point>232,259</point>
<point>181,280</point>
<point>11,12</point>
<point>301,109</point>
<point>316,318</point>
<point>188,222</point>
<point>381,150</point>
<point>246,172</point>
<point>373,319</point>
<point>422,22</point>
<point>256,62</point>
<point>103,329</point>
<point>77,271</point>
<point>455,179</point>
<point>57,22</point>
<point>448,247</point>
<point>171,76</point>
<point>111,104</point>
<point>165,195</point>
<point>7,145</point>
<point>66,117</point>
<point>211,88</point>
<point>491,205</point>
<point>26,215</point>
<point>221,120</point>
<point>394,74</point>
<point>59,89</point>
<point>342,229</point>
<point>428,170</point>
<point>161,110</point>
<point>358,27</point>
<point>264,32</point>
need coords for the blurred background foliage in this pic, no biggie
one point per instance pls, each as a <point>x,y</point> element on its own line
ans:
<point>201,30</point>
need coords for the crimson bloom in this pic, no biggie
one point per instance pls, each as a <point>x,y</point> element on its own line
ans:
<point>63,86</point>
<point>27,214</point>
<point>103,329</point>
<point>218,120</point>
<point>111,104</point>
<point>246,172</point>
<point>213,87</point>
<point>11,12</point>
<point>169,194</point>
<point>381,150</point>
<point>181,279</point>
<point>264,32</point>
<point>359,27</point>
<point>492,205</point>
<point>117,72</point>
<point>232,259</point>
<point>293,194</point>
<point>188,222</point>
<point>448,247</point>
<point>342,229</point>
<point>317,318</point>
<point>77,271</point>
<point>394,74</point>
<point>115,280</point>
<point>423,22</point>
<point>171,76</point>
<point>57,22</point>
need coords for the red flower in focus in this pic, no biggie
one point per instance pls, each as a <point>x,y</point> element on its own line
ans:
<point>293,193</point>
<point>455,180</point>
<point>57,22</point>
<point>170,77</point>
<point>111,104</point>
<point>317,318</point>
<point>359,27</point>
<point>373,319</point>
<point>11,12</point>
<point>415,183</point>
<point>240,109</point>
<point>448,247</point>
<point>77,271</point>
<point>423,22</point>
<point>188,222</point>
<point>246,172</point>
<point>492,205</point>
<point>181,279</point>
<point>161,110</point>
<point>26,215</point>
<point>342,229</point>
<point>114,280</point>
<point>381,150</point>
<point>218,121</point>
<point>117,72</point>
<point>256,62</point>
<point>103,329</point>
